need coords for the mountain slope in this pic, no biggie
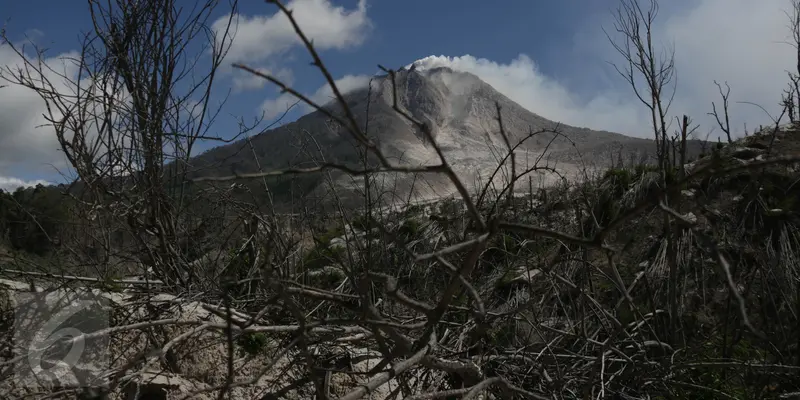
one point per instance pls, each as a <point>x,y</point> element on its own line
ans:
<point>461,110</point>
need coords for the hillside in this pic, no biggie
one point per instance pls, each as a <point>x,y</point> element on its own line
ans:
<point>547,300</point>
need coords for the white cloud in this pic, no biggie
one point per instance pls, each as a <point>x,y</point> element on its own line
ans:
<point>10,184</point>
<point>738,41</point>
<point>260,37</point>
<point>25,139</point>
<point>244,80</point>
<point>345,84</point>
<point>348,83</point>
<point>273,108</point>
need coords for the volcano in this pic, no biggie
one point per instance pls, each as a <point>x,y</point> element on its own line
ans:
<point>462,112</point>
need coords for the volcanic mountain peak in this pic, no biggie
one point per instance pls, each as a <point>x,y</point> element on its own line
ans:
<point>462,112</point>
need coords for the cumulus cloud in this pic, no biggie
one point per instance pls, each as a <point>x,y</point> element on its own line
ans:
<point>345,84</point>
<point>28,141</point>
<point>244,80</point>
<point>272,108</point>
<point>10,184</point>
<point>348,83</point>
<point>259,37</point>
<point>25,139</point>
<point>738,41</point>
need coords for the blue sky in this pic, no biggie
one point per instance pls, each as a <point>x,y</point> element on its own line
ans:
<point>549,56</point>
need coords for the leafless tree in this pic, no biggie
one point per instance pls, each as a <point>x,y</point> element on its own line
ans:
<point>791,96</point>
<point>644,63</point>
<point>649,71</point>
<point>723,121</point>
